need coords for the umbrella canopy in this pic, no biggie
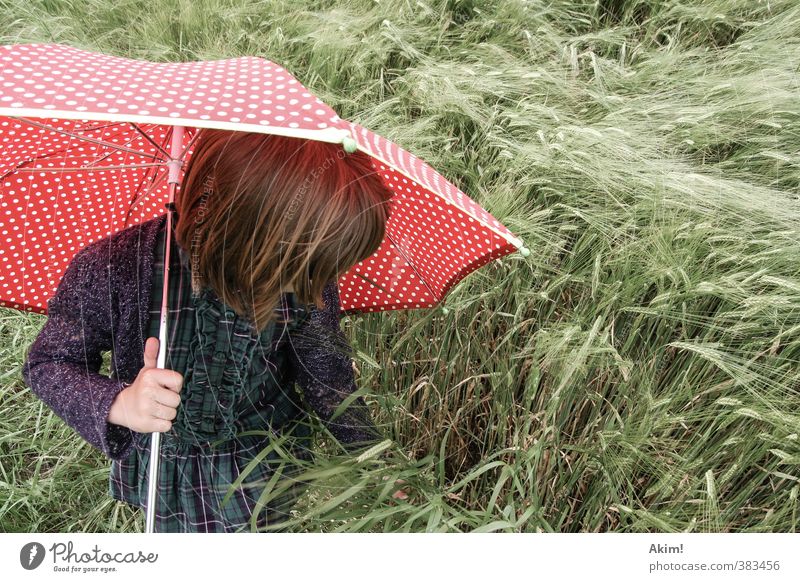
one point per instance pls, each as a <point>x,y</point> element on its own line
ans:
<point>85,141</point>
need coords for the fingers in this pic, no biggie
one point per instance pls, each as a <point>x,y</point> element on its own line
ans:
<point>162,412</point>
<point>167,398</point>
<point>171,379</point>
<point>160,426</point>
<point>160,418</point>
<point>164,378</point>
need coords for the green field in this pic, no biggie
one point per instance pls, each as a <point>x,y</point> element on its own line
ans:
<point>637,372</point>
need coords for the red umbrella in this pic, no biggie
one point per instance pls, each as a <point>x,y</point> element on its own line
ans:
<point>93,143</point>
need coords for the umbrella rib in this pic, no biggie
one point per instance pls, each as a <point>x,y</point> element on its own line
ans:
<point>88,168</point>
<point>19,168</point>
<point>101,158</point>
<point>89,139</point>
<point>149,188</point>
<point>410,264</point>
<point>54,153</point>
<point>115,126</point>
<point>104,156</point>
<point>148,138</point>
<point>138,196</point>
<point>188,145</point>
<point>376,284</point>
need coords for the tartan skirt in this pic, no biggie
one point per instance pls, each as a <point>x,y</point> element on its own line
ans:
<point>235,416</point>
<point>193,482</point>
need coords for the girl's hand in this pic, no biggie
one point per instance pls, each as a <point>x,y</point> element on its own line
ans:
<point>150,403</point>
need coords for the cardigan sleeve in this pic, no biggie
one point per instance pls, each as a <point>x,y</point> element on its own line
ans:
<point>321,355</point>
<point>62,365</point>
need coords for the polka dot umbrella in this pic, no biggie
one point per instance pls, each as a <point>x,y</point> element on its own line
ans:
<point>92,143</point>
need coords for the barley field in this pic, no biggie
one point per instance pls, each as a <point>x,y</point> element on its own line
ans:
<point>638,372</point>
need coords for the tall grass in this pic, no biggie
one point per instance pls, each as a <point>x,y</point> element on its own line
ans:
<point>637,372</point>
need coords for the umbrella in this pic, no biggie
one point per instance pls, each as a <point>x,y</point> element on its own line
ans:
<point>93,143</point>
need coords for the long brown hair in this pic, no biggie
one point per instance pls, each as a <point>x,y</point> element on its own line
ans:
<point>259,212</point>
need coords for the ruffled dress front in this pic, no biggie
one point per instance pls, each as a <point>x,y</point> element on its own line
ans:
<point>234,395</point>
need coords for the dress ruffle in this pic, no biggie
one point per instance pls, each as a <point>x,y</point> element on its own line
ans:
<point>227,365</point>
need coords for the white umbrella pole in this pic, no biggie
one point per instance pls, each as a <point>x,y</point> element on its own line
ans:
<point>155,443</point>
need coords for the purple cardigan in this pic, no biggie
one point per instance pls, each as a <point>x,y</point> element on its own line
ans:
<point>102,303</point>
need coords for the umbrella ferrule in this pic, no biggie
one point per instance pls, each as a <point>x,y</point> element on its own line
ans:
<point>174,171</point>
<point>175,162</point>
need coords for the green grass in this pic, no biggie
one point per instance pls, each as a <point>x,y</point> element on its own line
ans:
<point>637,372</point>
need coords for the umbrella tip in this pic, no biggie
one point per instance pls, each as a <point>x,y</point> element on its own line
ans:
<point>349,144</point>
<point>524,251</point>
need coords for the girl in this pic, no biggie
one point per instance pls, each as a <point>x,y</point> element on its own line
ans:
<point>263,226</point>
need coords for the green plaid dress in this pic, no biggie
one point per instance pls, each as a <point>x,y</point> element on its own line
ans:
<point>234,405</point>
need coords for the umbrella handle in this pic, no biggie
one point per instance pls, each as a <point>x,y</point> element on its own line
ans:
<point>155,439</point>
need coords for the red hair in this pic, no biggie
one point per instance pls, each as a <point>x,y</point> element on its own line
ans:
<point>259,213</point>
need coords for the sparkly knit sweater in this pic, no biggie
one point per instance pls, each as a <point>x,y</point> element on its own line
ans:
<point>101,304</point>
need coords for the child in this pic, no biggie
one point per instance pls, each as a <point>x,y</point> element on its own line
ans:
<point>263,226</point>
